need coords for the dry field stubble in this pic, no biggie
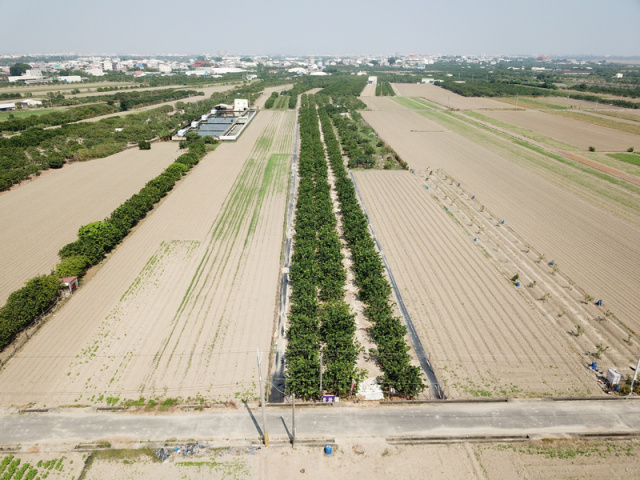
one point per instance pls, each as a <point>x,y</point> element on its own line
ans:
<point>181,306</point>
<point>40,217</point>
<point>483,335</point>
<point>592,239</point>
<point>573,132</point>
<point>368,91</point>
<point>446,98</point>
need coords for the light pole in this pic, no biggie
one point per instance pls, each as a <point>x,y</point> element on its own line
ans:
<point>262,402</point>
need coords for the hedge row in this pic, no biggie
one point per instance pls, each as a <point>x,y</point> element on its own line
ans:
<point>319,318</point>
<point>388,331</point>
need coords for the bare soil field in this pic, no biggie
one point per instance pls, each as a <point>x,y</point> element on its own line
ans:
<point>181,306</point>
<point>567,130</point>
<point>556,460</point>
<point>41,216</point>
<point>369,91</point>
<point>446,98</point>
<point>592,244</point>
<point>484,337</point>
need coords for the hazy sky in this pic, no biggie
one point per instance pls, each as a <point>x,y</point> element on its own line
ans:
<point>550,27</point>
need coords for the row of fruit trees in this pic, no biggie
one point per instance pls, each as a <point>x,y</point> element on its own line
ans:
<point>319,320</point>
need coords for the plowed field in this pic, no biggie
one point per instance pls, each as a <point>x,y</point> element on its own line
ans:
<point>40,217</point>
<point>182,305</point>
<point>446,98</point>
<point>484,336</point>
<point>573,132</point>
<point>566,221</point>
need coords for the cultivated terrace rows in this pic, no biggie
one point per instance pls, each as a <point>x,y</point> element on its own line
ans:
<point>319,318</point>
<point>178,310</point>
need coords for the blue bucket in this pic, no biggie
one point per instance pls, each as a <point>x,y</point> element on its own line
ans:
<point>427,187</point>
<point>517,284</point>
<point>503,221</point>
<point>458,184</point>
<point>594,365</point>
<point>475,239</point>
<point>473,197</point>
<point>328,449</point>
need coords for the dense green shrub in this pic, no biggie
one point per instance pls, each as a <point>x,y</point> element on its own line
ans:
<point>24,305</point>
<point>73,266</point>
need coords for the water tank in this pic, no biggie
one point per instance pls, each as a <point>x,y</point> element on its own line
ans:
<point>194,124</point>
<point>613,376</point>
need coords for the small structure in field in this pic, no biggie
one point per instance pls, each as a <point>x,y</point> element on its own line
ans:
<point>28,103</point>
<point>7,107</point>
<point>71,283</point>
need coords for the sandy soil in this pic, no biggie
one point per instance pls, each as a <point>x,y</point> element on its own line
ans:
<point>40,217</point>
<point>572,132</point>
<point>597,250</point>
<point>446,98</point>
<point>531,460</point>
<point>181,306</point>
<point>369,91</point>
<point>482,334</point>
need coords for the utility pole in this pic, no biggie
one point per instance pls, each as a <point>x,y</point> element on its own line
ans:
<point>635,376</point>
<point>293,423</point>
<point>320,375</point>
<point>262,402</point>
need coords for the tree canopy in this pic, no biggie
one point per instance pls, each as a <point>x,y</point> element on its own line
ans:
<point>19,68</point>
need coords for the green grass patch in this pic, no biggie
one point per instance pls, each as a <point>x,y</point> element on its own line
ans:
<point>27,113</point>
<point>632,158</point>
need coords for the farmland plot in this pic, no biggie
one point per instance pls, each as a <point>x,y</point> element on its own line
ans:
<point>181,306</point>
<point>41,216</point>
<point>483,336</point>
<point>446,98</point>
<point>567,130</point>
<point>590,237</point>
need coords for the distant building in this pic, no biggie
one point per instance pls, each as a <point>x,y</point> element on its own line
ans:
<point>7,107</point>
<point>372,81</point>
<point>71,283</point>
<point>70,79</point>
<point>251,76</point>
<point>28,103</point>
<point>240,104</point>
<point>429,81</point>
<point>619,75</point>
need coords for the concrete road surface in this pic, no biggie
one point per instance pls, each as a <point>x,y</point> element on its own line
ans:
<point>536,418</point>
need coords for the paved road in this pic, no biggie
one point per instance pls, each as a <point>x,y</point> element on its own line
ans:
<point>536,418</point>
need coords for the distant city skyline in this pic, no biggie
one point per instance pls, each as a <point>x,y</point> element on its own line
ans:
<point>465,27</point>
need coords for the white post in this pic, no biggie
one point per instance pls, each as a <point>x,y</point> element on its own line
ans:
<point>262,401</point>
<point>320,375</point>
